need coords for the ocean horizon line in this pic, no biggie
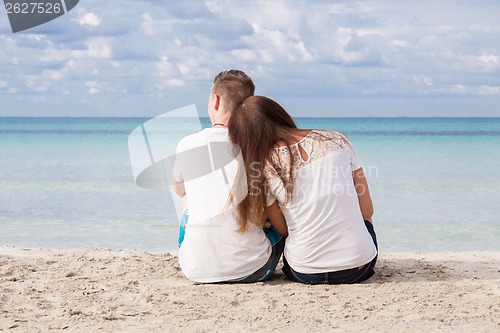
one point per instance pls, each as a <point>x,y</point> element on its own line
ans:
<point>295,117</point>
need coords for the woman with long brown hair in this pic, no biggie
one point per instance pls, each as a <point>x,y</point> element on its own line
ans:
<point>311,185</point>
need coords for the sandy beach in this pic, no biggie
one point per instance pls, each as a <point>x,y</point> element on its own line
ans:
<point>130,291</point>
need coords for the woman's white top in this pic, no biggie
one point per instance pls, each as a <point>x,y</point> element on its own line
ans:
<point>326,229</point>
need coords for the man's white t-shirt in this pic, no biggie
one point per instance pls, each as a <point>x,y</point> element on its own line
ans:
<point>213,249</point>
<point>326,231</point>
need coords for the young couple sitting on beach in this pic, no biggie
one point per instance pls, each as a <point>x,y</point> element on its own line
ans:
<point>297,192</point>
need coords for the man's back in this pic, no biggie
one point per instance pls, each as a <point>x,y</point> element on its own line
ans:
<point>213,249</point>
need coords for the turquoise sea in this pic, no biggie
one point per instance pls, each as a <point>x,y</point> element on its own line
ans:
<point>68,183</point>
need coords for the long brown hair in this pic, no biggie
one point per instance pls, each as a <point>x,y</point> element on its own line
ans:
<point>257,126</point>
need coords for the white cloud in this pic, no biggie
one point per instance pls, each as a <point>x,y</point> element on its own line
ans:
<point>98,48</point>
<point>490,62</point>
<point>489,90</point>
<point>89,20</point>
<point>423,80</point>
<point>175,83</point>
<point>54,74</point>
<point>489,58</point>
<point>148,24</point>
<point>93,87</point>
<point>244,54</point>
<point>275,45</point>
<point>4,87</point>
<point>460,89</point>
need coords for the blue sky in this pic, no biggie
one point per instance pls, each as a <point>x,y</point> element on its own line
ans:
<point>317,58</point>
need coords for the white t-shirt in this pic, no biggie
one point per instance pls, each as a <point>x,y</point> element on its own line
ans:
<point>326,231</point>
<point>213,249</point>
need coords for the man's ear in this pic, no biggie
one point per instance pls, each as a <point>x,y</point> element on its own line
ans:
<point>216,102</point>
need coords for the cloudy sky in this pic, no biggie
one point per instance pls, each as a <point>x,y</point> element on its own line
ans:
<point>317,58</point>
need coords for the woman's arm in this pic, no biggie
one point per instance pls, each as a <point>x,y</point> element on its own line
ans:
<point>277,219</point>
<point>364,198</point>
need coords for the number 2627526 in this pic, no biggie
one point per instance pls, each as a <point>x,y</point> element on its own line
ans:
<point>33,8</point>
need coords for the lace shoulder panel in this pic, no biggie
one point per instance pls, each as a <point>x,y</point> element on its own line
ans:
<point>316,144</point>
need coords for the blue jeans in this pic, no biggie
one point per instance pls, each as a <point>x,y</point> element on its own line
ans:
<point>266,272</point>
<point>353,275</point>
<point>182,226</point>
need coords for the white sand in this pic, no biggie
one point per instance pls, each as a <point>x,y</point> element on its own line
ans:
<point>128,291</point>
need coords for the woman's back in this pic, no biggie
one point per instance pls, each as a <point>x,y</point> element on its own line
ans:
<point>325,224</point>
